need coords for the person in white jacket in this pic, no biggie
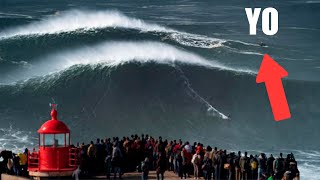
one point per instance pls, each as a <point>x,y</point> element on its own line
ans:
<point>196,160</point>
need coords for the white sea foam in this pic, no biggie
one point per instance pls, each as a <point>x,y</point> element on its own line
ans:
<point>308,161</point>
<point>15,140</point>
<point>309,171</point>
<point>84,20</point>
<point>118,53</point>
<point>79,19</point>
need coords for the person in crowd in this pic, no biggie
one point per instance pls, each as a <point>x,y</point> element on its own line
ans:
<point>145,168</point>
<point>99,159</point>
<point>108,166</point>
<point>224,169</point>
<point>244,165</point>
<point>83,159</point>
<point>196,162</point>
<point>169,156</point>
<point>217,164</point>
<point>186,159</point>
<point>254,167</point>
<point>279,167</point>
<point>177,155</point>
<point>9,169</point>
<point>262,165</point>
<point>295,174</point>
<point>207,167</point>
<point>230,166</point>
<point>76,173</point>
<point>270,161</point>
<point>179,159</point>
<point>91,153</point>
<point>23,160</point>
<point>161,165</point>
<point>237,166</point>
<point>16,165</point>
<point>286,175</point>
<point>287,161</point>
<point>116,160</point>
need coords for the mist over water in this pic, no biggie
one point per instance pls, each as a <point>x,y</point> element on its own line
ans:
<point>177,69</point>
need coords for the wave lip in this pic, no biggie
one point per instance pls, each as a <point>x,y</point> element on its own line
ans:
<point>117,53</point>
<point>74,20</point>
<point>85,20</point>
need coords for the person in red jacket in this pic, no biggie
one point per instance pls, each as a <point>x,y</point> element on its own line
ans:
<point>186,159</point>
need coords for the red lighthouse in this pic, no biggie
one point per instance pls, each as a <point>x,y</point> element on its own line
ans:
<point>55,156</point>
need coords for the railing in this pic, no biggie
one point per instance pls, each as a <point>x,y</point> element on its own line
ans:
<point>33,159</point>
<point>74,157</point>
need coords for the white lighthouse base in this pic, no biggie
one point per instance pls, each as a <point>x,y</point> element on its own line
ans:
<point>50,174</point>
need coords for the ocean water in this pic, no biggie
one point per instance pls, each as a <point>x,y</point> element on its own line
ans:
<point>171,68</point>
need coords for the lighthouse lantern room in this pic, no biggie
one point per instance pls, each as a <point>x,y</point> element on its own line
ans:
<point>55,156</point>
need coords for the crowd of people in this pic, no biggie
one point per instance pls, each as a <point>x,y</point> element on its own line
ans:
<point>14,164</point>
<point>116,156</point>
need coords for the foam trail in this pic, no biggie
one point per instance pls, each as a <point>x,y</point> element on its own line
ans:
<point>244,52</point>
<point>210,109</point>
<point>84,20</point>
<point>103,95</point>
<point>117,53</point>
<point>6,15</point>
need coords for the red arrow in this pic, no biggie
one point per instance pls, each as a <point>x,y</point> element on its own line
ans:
<point>271,73</point>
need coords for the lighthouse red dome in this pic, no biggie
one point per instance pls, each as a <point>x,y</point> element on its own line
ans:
<point>53,126</point>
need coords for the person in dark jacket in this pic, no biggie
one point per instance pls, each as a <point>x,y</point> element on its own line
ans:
<point>224,172</point>
<point>270,164</point>
<point>16,165</point>
<point>180,164</point>
<point>237,166</point>
<point>244,165</point>
<point>294,170</point>
<point>207,167</point>
<point>262,167</point>
<point>231,170</point>
<point>108,166</point>
<point>279,167</point>
<point>161,166</point>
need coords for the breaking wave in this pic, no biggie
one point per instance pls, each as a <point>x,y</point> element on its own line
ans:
<point>84,20</point>
<point>118,53</point>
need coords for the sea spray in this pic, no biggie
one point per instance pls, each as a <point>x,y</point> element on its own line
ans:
<point>118,53</point>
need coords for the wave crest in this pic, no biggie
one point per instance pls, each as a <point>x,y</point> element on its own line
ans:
<point>85,20</point>
<point>118,53</point>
